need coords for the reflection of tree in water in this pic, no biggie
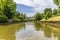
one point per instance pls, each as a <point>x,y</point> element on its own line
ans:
<point>20,26</point>
<point>56,34</point>
<point>47,31</point>
<point>38,26</point>
<point>54,30</point>
<point>8,32</point>
<point>59,36</point>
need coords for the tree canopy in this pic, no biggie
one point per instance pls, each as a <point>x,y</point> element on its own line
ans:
<point>8,11</point>
<point>56,2</point>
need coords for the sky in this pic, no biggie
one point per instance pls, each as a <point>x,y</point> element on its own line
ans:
<point>30,7</point>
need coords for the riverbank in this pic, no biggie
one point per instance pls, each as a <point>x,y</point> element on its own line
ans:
<point>8,23</point>
<point>54,19</point>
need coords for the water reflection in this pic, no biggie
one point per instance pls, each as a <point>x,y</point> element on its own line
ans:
<point>45,28</point>
<point>29,31</point>
<point>36,31</point>
<point>38,26</point>
<point>7,32</point>
<point>47,31</point>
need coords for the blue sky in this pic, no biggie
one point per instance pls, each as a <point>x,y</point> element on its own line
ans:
<point>30,7</point>
<point>24,8</point>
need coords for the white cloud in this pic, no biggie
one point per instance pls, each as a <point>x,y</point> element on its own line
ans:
<point>25,2</point>
<point>30,14</point>
<point>38,5</point>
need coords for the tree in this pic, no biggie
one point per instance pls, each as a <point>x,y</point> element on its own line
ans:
<point>22,17</point>
<point>8,11</point>
<point>54,12</point>
<point>3,18</point>
<point>19,17</point>
<point>47,9</point>
<point>58,10</point>
<point>9,8</point>
<point>38,16</point>
<point>47,13</point>
<point>56,2</point>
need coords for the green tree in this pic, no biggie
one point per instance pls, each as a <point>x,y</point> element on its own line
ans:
<point>22,17</point>
<point>3,18</point>
<point>9,8</point>
<point>54,12</point>
<point>47,13</point>
<point>58,10</point>
<point>38,16</point>
<point>56,2</point>
<point>47,9</point>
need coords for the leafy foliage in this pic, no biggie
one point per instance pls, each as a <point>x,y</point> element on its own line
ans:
<point>8,11</point>
<point>3,18</point>
<point>47,13</point>
<point>56,2</point>
<point>38,16</point>
<point>47,9</point>
<point>54,12</point>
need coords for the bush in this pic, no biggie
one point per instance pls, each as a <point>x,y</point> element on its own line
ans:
<point>3,18</point>
<point>48,15</point>
<point>38,16</point>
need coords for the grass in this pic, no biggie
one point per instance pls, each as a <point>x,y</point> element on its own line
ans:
<point>55,18</point>
<point>43,20</point>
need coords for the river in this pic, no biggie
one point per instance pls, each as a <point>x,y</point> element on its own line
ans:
<point>29,31</point>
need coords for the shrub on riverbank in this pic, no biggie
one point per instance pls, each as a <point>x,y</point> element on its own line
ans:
<point>3,18</point>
